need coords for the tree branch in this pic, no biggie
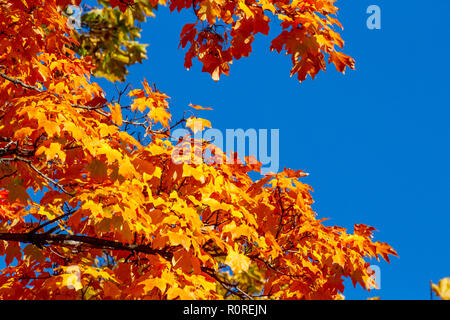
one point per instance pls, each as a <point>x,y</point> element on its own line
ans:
<point>50,222</point>
<point>30,164</point>
<point>17,82</point>
<point>68,240</point>
<point>228,286</point>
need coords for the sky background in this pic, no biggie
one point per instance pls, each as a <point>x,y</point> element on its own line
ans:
<point>375,141</point>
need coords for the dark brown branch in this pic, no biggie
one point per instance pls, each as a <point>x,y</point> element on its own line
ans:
<point>67,240</point>
<point>50,222</point>
<point>8,151</point>
<point>90,108</point>
<point>35,278</point>
<point>121,92</point>
<point>17,82</point>
<point>8,175</point>
<point>282,215</point>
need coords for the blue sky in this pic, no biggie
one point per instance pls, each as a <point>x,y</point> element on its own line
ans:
<point>375,141</point>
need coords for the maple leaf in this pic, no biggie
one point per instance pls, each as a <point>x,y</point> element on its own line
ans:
<point>197,124</point>
<point>116,114</point>
<point>237,262</point>
<point>17,191</point>
<point>442,289</point>
<point>160,115</point>
<point>341,61</point>
<point>199,107</point>
<point>122,4</point>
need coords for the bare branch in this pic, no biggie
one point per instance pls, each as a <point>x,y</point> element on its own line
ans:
<point>17,82</point>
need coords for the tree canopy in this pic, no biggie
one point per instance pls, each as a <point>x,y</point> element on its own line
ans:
<point>117,217</point>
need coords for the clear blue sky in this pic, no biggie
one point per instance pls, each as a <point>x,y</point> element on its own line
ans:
<point>375,141</point>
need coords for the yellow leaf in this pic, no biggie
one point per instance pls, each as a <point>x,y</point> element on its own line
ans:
<point>179,239</point>
<point>160,115</point>
<point>246,9</point>
<point>75,131</point>
<point>128,139</point>
<point>94,208</point>
<point>442,289</point>
<point>126,168</point>
<point>190,171</point>
<point>237,262</point>
<point>339,258</point>
<point>52,151</point>
<point>58,88</point>
<point>121,58</point>
<point>116,114</point>
<point>157,173</point>
<point>149,284</point>
<point>98,273</point>
<point>267,5</point>
<point>175,292</point>
<point>197,124</point>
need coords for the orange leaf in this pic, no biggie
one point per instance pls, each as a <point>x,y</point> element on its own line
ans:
<point>199,107</point>
<point>197,124</point>
<point>116,114</point>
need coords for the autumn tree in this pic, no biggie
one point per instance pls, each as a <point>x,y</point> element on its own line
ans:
<point>123,216</point>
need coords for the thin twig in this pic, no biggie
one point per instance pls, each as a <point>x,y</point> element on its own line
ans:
<point>20,82</point>
<point>30,164</point>
<point>51,221</point>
